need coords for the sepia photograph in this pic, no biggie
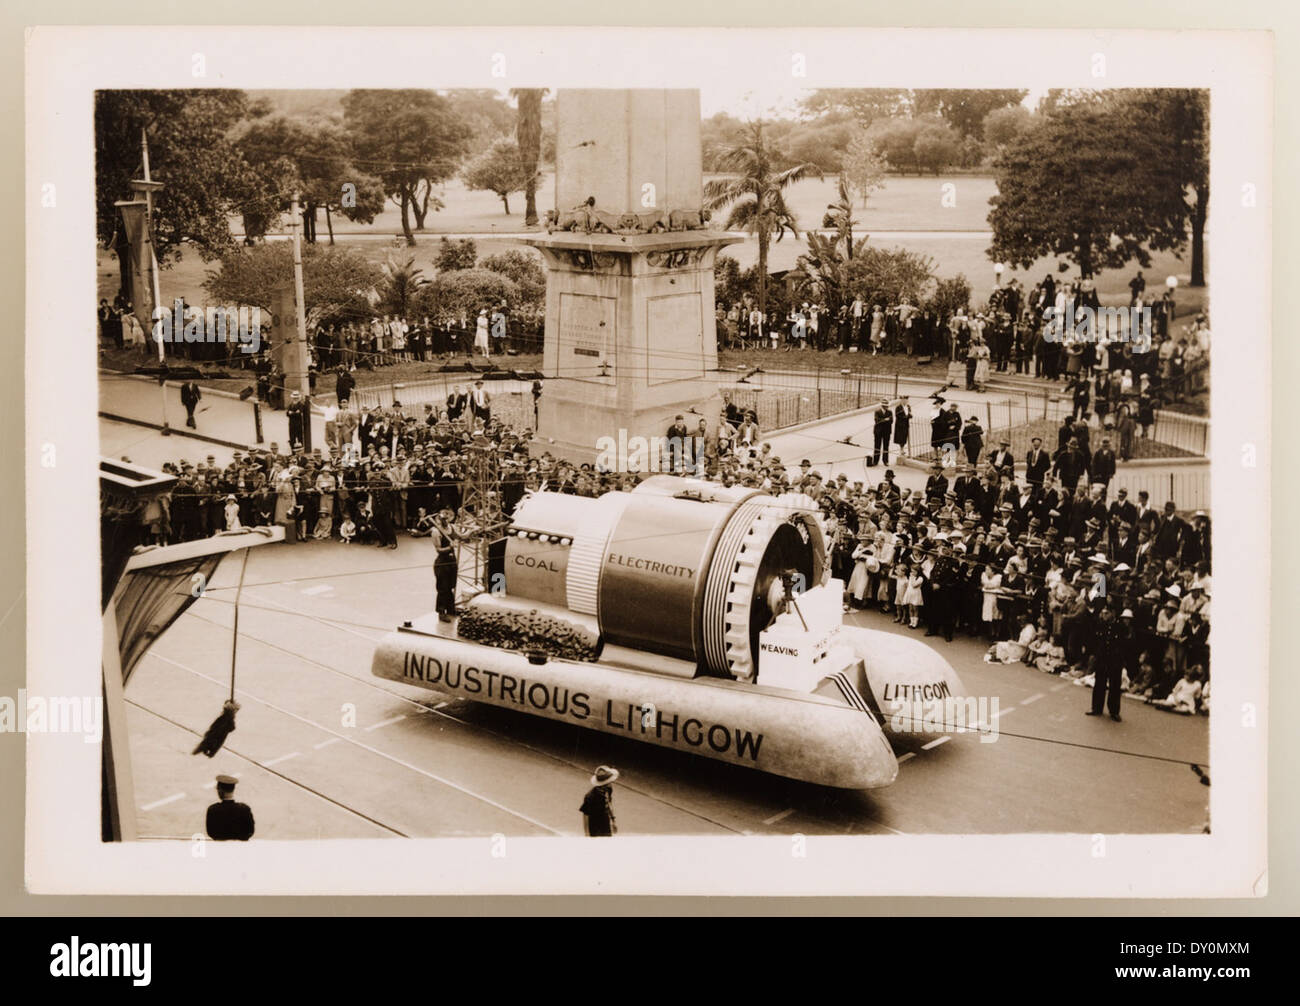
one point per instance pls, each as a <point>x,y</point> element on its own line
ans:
<point>654,455</point>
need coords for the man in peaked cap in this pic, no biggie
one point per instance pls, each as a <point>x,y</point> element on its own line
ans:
<point>228,819</point>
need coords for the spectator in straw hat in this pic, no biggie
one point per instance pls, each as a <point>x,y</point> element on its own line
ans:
<point>598,806</point>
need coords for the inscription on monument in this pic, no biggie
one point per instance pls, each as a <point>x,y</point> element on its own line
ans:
<point>586,334</point>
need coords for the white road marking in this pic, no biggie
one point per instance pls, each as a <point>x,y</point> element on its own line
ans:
<point>1057,688</point>
<point>1004,712</point>
<point>440,705</point>
<point>906,755</point>
<point>326,743</point>
<point>164,801</point>
<point>276,761</point>
<point>386,723</point>
<point>936,742</point>
<point>375,751</point>
<point>1033,698</point>
<point>779,817</point>
<point>320,588</point>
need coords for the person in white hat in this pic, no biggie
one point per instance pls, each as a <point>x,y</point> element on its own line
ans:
<point>232,513</point>
<point>598,807</point>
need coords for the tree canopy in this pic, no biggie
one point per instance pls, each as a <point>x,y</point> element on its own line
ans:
<point>500,169</point>
<point>338,283</point>
<point>410,139</point>
<point>524,269</point>
<point>190,152</point>
<point>965,108</point>
<point>315,159</point>
<point>1090,183</point>
<point>465,292</point>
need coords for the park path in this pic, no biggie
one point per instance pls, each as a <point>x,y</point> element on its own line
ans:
<point>821,443</point>
<point>223,419</point>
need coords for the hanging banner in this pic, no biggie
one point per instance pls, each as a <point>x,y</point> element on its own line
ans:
<point>141,263</point>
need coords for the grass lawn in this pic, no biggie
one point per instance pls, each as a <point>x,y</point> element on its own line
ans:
<point>902,203</point>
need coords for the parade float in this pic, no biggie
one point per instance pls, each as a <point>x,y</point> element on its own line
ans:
<point>687,615</point>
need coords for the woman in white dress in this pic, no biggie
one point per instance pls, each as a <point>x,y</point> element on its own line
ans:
<point>1012,651</point>
<point>884,543</point>
<point>481,334</point>
<point>990,581</point>
<point>981,353</point>
<point>861,574</point>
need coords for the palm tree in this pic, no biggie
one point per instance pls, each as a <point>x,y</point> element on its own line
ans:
<point>400,283</point>
<point>528,136</point>
<point>825,271</point>
<point>755,192</point>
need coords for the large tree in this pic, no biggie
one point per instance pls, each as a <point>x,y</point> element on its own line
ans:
<point>1002,125</point>
<point>965,108</point>
<point>528,137</point>
<point>410,139</point>
<point>500,169</point>
<point>755,192</point>
<point>1179,119</point>
<point>937,146</point>
<point>1086,184</point>
<point>486,113</point>
<point>865,104</point>
<point>190,152</point>
<point>313,159</point>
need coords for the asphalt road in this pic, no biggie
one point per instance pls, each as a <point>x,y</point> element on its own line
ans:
<point>323,749</point>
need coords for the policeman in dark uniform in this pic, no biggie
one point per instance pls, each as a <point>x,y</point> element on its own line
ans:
<point>943,602</point>
<point>444,564</point>
<point>228,819</point>
<point>1110,642</point>
<point>598,807</point>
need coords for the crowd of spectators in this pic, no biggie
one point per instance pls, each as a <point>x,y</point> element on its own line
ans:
<point>1040,331</point>
<point>1044,556</point>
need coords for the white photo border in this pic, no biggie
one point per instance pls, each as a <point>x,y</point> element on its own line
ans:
<point>66,65</point>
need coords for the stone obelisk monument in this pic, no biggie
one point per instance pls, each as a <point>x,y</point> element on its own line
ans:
<point>630,334</point>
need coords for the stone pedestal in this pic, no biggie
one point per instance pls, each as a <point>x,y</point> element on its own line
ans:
<point>631,339</point>
<point>630,332</point>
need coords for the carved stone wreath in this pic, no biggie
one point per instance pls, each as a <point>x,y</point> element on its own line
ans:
<point>580,258</point>
<point>677,258</point>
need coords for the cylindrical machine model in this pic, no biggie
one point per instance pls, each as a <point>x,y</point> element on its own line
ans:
<point>687,615</point>
<point>679,566</point>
